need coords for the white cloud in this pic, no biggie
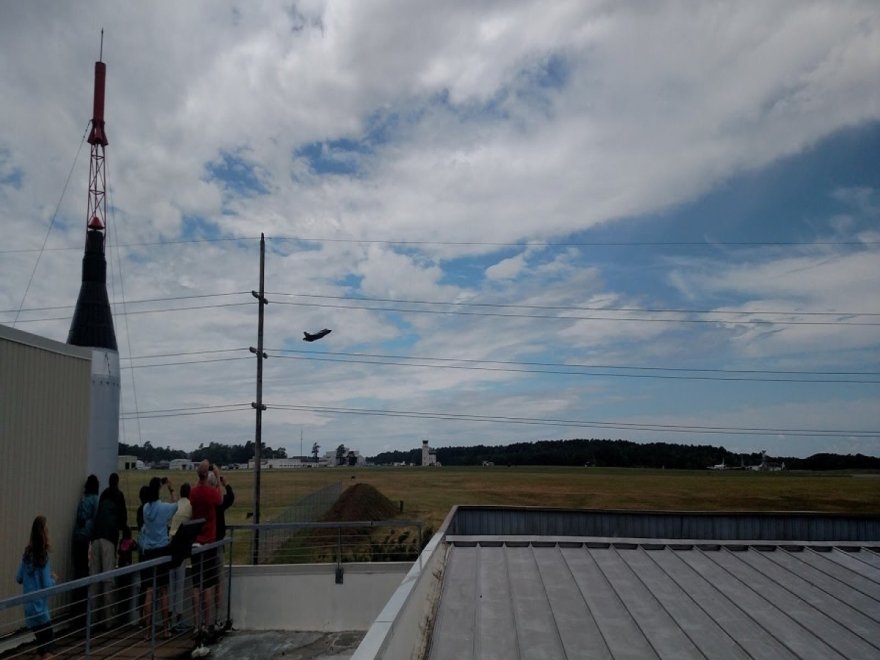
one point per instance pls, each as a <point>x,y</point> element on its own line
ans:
<point>494,122</point>
<point>506,269</point>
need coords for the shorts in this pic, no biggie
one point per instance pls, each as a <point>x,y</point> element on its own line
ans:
<point>45,637</point>
<point>204,567</point>
<point>161,571</point>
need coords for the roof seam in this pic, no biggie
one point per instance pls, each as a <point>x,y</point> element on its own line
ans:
<point>857,556</point>
<point>658,601</point>
<point>762,597</point>
<point>476,647</point>
<point>547,598</point>
<point>852,583</point>
<point>622,603</point>
<point>694,600</point>
<point>638,577</point>
<point>772,558</point>
<point>584,598</point>
<point>512,600</point>
<point>785,588</point>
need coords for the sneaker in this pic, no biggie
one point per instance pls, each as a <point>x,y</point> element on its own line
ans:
<point>200,651</point>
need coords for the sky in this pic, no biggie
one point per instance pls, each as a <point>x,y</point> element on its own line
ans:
<point>521,220</point>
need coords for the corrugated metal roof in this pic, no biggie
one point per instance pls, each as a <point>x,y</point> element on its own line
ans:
<point>583,598</point>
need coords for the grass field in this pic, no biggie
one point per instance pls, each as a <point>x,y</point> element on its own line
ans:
<point>429,493</point>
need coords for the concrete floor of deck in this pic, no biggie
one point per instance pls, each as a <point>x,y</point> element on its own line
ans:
<point>287,644</point>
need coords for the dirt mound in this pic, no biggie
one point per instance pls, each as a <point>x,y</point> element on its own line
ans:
<point>361,502</point>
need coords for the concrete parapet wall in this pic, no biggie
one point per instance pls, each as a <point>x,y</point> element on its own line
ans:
<point>306,596</point>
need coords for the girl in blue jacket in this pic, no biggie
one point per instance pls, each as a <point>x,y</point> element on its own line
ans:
<point>34,574</point>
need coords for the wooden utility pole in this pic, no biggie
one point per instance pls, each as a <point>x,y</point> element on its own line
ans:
<point>258,404</point>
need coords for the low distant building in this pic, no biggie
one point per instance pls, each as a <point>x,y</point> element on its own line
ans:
<point>126,462</point>
<point>352,458</point>
<point>181,464</point>
<point>767,466</point>
<point>292,463</point>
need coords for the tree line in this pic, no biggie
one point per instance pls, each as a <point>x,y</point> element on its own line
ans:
<point>593,452</point>
<point>216,452</point>
<point>622,453</point>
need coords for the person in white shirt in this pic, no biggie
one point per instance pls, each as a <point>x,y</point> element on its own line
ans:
<point>178,575</point>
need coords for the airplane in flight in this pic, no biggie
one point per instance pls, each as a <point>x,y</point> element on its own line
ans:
<point>307,336</point>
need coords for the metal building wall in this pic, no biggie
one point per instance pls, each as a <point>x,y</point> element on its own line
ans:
<point>472,521</point>
<point>44,428</point>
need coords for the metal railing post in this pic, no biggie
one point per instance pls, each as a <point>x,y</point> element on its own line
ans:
<point>201,593</point>
<point>339,555</point>
<point>229,581</point>
<point>155,605</point>
<point>88,649</point>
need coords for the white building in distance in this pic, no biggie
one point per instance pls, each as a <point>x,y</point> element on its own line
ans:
<point>429,456</point>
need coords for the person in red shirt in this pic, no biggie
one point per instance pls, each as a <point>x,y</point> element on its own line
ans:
<point>205,498</point>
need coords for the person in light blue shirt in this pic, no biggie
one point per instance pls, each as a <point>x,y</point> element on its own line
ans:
<point>154,542</point>
<point>34,574</point>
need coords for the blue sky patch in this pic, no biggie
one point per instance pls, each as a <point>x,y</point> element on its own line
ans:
<point>238,176</point>
<point>552,73</point>
<point>345,155</point>
<point>789,200</point>
<point>195,227</point>
<point>10,175</point>
<point>333,157</point>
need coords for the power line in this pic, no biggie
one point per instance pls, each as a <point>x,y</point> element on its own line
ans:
<point>585,373</point>
<point>539,243</point>
<point>51,223</point>
<point>512,366</point>
<point>487,314</point>
<point>146,311</point>
<point>186,362</point>
<point>562,369</point>
<point>570,307</point>
<point>139,244</point>
<point>511,362</point>
<point>122,293</point>
<point>504,419</point>
<point>132,302</point>
<point>191,410</point>
<point>569,318</point>
<point>628,426</point>
<point>185,353</point>
<point>516,244</point>
<point>477,314</point>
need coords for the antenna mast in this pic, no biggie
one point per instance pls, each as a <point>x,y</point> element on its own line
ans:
<point>92,323</point>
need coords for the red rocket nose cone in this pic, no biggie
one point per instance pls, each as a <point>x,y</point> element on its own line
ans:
<point>95,223</point>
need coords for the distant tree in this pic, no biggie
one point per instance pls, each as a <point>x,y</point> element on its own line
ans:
<point>150,454</point>
<point>340,455</point>
<point>315,448</point>
<point>351,457</point>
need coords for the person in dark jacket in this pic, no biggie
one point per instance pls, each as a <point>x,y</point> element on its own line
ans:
<point>34,574</point>
<point>86,511</point>
<point>111,519</point>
